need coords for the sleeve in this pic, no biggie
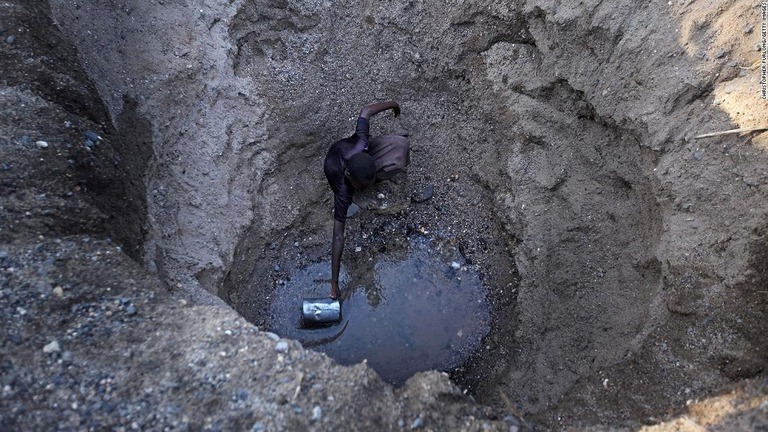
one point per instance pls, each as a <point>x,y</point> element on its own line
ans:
<point>342,193</point>
<point>362,130</point>
<point>342,199</point>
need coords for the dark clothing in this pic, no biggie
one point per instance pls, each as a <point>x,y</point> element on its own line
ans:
<point>336,164</point>
<point>390,154</point>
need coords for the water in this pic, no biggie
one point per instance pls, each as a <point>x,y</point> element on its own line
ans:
<point>405,312</point>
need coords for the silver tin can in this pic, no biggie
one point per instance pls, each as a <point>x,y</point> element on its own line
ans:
<point>321,311</point>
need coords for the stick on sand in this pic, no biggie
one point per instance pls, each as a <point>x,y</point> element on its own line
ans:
<point>732,131</point>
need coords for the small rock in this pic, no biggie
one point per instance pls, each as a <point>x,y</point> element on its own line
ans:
<point>424,195</point>
<point>10,39</point>
<point>276,268</point>
<point>58,292</point>
<point>257,427</point>
<point>3,254</point>
<point>242,394</point>
<point>42,144</point>
<point>296,244</point>
<point>92,136</point>
<point>272,336</point>
<point>381,196</point>
<point>455,265</point>
<point>88,144</point>
<point>317,413</point>
<point>130,310</point>
<point>748,28</point>
<point>720,53</point>
<point>352,210</point>
<point>511,419</point>
<point>52,347</point>
<point>418,423</point>
<point>281,346</point>
<point>66,356</point>
<point>698,155</point>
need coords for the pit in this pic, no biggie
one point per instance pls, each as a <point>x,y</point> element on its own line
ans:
<point>584,258</point>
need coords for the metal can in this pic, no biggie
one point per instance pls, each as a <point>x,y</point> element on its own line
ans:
<point>321,311</point>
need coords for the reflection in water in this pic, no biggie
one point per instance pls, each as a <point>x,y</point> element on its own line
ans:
<point>407,314</point>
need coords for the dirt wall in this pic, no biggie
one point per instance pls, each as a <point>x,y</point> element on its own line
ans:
<point>637,239</point>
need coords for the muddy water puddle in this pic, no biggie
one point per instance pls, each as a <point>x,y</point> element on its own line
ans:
<point>404,312</point>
